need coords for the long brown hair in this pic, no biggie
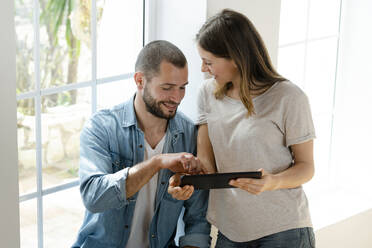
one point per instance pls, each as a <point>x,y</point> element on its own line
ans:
<point>232,35</point>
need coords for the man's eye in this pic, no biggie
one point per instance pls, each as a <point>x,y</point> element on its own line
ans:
<point>166,88</point>
<point>183,88</point>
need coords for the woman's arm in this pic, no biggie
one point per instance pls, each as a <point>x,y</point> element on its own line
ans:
<point>205,149</point>
<point>301,172</point>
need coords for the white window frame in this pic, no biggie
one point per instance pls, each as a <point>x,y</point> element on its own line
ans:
<point>38,93</point>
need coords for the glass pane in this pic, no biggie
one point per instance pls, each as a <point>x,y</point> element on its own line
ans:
<point>324,18</point>
<point>111,94</point>
<point>26,146</point>
<point>63,216</point>
<point>65,53</point>
<point>28,223</point>
<point>320,74</point>
<point>25,67</point>
<point>120,35</point>
<point>291,63</point>
<point>293,14</point>
<point>63,117</point>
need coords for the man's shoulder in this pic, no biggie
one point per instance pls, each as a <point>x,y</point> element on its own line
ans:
<point>109,117</point>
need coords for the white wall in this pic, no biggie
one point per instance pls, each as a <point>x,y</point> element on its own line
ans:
<point>9,217</point>
<point>265,15</point>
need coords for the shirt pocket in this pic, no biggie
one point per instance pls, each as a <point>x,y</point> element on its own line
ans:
<point>119,162</point>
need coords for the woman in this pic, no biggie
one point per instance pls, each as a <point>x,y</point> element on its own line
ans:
<point>251,118</point>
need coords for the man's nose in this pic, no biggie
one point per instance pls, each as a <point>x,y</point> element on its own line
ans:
<point>177,96</point>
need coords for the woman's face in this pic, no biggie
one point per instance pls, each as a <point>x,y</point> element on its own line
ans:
<point>223,70</point>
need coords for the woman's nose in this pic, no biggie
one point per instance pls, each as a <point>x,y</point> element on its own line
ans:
<point>204,68</point>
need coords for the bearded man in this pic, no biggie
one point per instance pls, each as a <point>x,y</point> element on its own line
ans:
<point>128,154</point>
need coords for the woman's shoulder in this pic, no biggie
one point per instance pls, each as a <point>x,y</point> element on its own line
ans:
<point>288,90</point>
<point>208,87</point>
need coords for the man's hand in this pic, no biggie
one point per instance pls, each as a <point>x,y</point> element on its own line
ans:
<point>180,163</point>
<point>177,192</point>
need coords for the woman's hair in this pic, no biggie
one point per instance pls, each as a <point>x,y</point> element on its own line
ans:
<point>232,35</point>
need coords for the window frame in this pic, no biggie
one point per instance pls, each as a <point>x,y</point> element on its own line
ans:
<point>38,93</point>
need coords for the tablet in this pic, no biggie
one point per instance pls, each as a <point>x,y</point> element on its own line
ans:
<point>217,180</point>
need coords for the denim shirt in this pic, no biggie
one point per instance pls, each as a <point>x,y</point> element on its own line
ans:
<point>110,143</point>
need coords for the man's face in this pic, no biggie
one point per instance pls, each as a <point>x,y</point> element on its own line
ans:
<point>165,91</point>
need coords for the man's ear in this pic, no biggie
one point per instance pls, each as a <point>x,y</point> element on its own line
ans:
<point>139,78</point>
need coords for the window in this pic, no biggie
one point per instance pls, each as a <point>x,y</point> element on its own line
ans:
<point>73,57</point>
<point>308,41</point>
<point>324,48</point>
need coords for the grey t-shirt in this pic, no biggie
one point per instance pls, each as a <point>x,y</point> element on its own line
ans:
<point>240,143</point>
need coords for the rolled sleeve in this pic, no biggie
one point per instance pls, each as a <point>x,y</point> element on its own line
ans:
<point>202,103</point>
<point>120,178</point>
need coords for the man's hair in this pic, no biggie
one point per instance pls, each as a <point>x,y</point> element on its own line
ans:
<point>149,59</point>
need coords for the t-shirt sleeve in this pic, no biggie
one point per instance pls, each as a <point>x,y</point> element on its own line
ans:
<point>202,105</point>
<point>299,126</point>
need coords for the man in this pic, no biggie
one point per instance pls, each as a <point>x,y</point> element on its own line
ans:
<point>129,153</point>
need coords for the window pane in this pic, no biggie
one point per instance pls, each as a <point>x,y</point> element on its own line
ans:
<point>63,216</point>
<point>65,55</point>
<point>293,14</point>
<point>119,36</point>
<point>111,94</point>
<point>324,18</point>
<point>320,74</point>
<point>28,223</point>
<point>63,117</point>
<point>25,66</point>
<point>26,146</point>
<point>291,63</point>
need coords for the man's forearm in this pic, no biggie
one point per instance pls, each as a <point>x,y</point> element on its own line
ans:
<point>139,175</point>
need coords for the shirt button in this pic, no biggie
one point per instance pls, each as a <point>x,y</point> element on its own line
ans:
<point>126,226</point>
<point>152,235</point>
<point>162,183</point>
<point>140,146</point>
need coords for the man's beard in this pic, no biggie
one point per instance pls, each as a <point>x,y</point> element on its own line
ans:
<point>154,107</point>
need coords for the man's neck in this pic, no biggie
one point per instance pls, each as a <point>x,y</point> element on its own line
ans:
<point>152,126</point>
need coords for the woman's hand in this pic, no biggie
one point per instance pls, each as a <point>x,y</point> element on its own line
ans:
<point>177,192</point>
<point>299,173</point>
<point>256,186</point>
